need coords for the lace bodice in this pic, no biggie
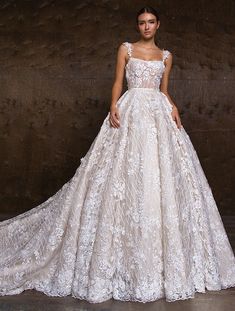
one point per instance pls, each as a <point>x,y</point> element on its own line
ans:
<point>144,73</point>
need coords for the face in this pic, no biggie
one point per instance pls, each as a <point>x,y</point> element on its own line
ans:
<point>147,25</point>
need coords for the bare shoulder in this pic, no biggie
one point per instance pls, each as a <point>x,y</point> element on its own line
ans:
<point>167,57</point>
<point>166,53</point>
<point>123,47</point>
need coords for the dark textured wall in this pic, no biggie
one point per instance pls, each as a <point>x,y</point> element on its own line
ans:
<point>57,62</point>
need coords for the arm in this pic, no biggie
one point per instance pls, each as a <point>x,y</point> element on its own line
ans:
<point>164,89</point>
<point>118,85</point>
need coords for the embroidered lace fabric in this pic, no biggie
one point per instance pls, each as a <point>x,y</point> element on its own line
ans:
<point>136,222</point>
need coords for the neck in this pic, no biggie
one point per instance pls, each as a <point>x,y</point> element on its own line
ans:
<point>149,43</point>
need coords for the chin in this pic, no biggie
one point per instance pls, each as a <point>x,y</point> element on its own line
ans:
<point>147,36</point>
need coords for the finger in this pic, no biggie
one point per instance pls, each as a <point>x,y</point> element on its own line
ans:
<point>114,125</point>
<point>117,117</point>
<point>114,122</point>
<point>179,123</point>
<point>111,122</point>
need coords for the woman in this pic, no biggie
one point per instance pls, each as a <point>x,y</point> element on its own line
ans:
<point>138,220</point>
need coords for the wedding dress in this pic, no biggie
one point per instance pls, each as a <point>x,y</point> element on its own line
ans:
<point>136,222</point>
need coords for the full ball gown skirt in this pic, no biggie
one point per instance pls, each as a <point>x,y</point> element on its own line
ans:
<point>136,222</point>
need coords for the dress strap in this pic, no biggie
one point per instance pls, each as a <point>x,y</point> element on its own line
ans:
<point>129,48</point>
<point>166,53</point>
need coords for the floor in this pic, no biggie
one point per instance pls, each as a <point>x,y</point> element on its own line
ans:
<point>32,300</point>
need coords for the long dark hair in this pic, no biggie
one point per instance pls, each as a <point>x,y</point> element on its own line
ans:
<point>147,9</point>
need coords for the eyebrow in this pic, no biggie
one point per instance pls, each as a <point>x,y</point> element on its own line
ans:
<point>142,20</point>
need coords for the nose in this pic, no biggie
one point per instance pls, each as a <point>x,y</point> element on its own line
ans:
<point>146,26</point>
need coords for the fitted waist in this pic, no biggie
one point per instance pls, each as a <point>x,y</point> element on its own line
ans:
<point>144,88</point>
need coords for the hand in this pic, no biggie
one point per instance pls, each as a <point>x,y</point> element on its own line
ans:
<point>176,117</point>
<point>114,117</point>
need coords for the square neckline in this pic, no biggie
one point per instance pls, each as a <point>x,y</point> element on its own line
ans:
<point>143,60</point>
<point>146,60</point>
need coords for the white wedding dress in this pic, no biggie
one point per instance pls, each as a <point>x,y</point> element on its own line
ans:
<point>136,222</point>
